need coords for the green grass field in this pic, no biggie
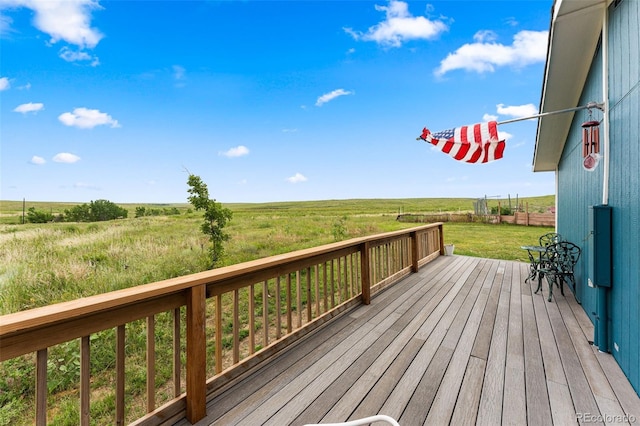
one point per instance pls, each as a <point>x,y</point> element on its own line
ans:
<point>41,264</point>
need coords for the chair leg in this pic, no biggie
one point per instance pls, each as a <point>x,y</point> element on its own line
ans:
<point>550,281</point>
<point>562,285</point>
<point>540,276</point>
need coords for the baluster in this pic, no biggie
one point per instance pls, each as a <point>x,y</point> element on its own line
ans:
<point>278,310</point>
<point>41,387</point>
<point>252,319</point>
<point>120,335</point>
<point>236,326</point>
<point>218,333</point>
<point>316,273</point>
<point>85,380</point>
<point>151,363</point>
<point>265,314</point>
<point>309,301</point>
<point>298,299</point>
<point>289,314</point>
<point>176,353</point>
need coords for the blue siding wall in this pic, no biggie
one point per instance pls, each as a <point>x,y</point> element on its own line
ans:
<point>578,189</point>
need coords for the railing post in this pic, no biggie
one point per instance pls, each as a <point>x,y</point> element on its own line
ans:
<point>366,274</point>
<point>414,251</point>
<point>196,354</point>
<point>441,232</point>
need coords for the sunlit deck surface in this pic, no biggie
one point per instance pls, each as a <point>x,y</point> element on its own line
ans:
<point>463,341</point>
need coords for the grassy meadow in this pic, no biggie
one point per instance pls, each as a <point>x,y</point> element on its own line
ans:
<point>72,260</point>
<point>41,264</point>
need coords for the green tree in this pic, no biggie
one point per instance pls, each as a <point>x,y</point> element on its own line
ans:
<point>216,217</point>
<point>38,216</point>
<point>80,213</point>
<point>96,211</point>
<point>140,212</point>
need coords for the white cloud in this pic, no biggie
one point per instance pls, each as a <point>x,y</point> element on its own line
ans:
<point>65,20</point>
<point>485,36</point>
<point>517,111</point>
<point>332,95</point>
<point>489,117</point>
<point>485,54</point>
<point>29,107</point>
<point>178,72</point>
<point>77,56</point>
<point>5,24</point>
<point>238,151</point>
<point>399,26</point>
<point>65,157</point>
<point>179,76</point>
<point>37,160</point>
<point>298,177</point>
<point>504,136</point>
<point>4,83</point>
<point>87,118</point>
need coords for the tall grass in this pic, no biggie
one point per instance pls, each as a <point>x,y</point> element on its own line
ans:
<point>41,264</point>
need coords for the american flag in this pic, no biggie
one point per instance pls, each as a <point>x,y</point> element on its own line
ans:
<point>476,143</point>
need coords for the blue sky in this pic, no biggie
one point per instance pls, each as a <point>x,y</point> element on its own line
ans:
<point>265,100</point>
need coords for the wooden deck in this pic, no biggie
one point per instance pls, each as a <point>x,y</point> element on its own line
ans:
<point>463,341</point>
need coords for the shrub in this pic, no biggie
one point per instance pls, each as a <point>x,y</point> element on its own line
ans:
<point>96,211</point>
<point>38,216</point>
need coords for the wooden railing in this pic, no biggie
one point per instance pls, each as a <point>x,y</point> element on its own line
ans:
<point>236,316</point>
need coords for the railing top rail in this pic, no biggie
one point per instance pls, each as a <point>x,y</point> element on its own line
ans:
<point>64,311</point>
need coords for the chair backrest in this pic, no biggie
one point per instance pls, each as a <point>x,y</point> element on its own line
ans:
<point>567,255</point>
<point>551,238</point>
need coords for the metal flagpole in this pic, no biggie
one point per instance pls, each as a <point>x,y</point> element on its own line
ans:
<point>587,106</point>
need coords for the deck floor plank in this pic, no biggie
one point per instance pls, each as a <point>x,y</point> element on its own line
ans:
<point>445,400</point>
<point>583,399</point>
<point>462,342</point>
<point>490,408</point>
<point>406,344</point>
<point>514,401</point>
<point>538,406</point>
<point>402,387</point>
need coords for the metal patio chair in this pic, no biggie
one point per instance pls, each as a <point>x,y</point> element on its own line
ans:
<point>557,266</point>
<point>550,238</point>
<point>537,253</point>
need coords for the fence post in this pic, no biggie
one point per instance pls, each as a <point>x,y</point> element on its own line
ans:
<point>196,354</point>
<point>366,274</point>
<point>499,213</point>
<point>414,251</point>
<point>527,213</point>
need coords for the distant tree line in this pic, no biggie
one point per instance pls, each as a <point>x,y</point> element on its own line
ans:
<point>166,211</point>
<point>95,211</point>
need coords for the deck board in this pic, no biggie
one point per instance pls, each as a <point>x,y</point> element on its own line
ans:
<point>462,342</point>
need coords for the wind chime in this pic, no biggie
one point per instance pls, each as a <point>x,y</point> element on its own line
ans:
<point>590,143</point>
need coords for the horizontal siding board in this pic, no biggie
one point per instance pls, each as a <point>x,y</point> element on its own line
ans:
<point>579,189</point>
